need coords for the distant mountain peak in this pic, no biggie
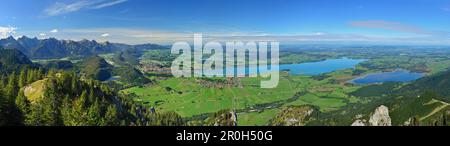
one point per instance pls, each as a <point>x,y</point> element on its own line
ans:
<point>10,38</point>
<point>53,48</point>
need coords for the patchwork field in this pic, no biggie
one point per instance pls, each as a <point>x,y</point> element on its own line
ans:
<point>256,106</point>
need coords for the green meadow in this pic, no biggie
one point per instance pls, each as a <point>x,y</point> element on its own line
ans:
<point>256,106</point>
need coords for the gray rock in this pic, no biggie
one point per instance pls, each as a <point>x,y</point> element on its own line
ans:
<point>380,117</point>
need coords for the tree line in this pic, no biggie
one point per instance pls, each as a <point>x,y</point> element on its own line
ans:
<point>69,100</point>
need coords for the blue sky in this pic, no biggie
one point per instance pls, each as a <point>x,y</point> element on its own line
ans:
<point>287,21</point>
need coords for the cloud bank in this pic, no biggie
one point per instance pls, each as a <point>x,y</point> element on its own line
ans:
<point>140,36</point>
<point>63,8</point>
<point>7,31</point>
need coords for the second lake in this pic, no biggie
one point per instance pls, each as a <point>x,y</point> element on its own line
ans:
<point>395,76</point>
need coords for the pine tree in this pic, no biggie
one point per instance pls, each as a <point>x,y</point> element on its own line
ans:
<point>22,103</point>
<point>133,110</point>
<point>79,111</point>
<point>91,94</point>
<point>22,78</point>
<point>12,88</point>
<point>111,117</point>
<point>36,115</point>
<point>30,76</point>
<point>94,114</point>
<point>9,113</point>
<point>50,106</point>
<point>81,102</point>
<point>51,73</point>
<point>2,82</point>
<point>66,112</point>
<point>74,83</point>
<point>39,74</point>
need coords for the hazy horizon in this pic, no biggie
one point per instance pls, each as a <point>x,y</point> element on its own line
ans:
<point>402,22</point>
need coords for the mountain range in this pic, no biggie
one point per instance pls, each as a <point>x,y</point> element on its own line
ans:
<point>50,48</point>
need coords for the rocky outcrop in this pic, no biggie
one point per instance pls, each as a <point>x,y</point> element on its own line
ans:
<point>380,117</point>
<point>359,122</point>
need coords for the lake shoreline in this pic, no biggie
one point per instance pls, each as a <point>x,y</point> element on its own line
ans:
<point>364,81</point>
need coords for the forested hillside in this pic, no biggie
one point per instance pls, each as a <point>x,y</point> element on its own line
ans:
<point>36,96</point>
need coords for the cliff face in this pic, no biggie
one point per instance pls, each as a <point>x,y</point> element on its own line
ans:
<point>380,117</point>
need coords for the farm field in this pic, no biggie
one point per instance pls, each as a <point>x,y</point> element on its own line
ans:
<point>187,97</point>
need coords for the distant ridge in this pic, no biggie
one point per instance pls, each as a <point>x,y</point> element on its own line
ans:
<point>50,48</point>
<point>12,59</point>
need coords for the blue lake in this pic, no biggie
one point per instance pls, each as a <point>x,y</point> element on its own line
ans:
<point>310,68</point>
<point>395,76</point>
<point>316,68</point>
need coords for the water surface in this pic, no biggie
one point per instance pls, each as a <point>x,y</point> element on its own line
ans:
<point>316,68</point>
<point>395,76</point>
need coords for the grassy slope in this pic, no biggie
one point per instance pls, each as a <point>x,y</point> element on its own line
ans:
<point>35,90</point>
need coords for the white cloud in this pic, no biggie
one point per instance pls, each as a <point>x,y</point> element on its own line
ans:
<point>105,35</point>
<point>42,35</point>
<point>7,31</point>
<point>319,33</point>
<point>63,8</point>
<point>108,4</point>
<point>54,31</point>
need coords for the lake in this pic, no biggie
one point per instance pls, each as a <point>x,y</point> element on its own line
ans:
<point>310,68</point>
<point>316,68</point>
<point>395,76</point>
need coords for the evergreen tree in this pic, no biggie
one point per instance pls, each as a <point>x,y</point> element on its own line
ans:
<point>10,114</point>
<point>30,76</point>
<point>79,111</point>
<point>46,111</point>
<point>74,83</point>
<point>22,78</point>
<point>22,104</point>
<point>91,93</point>
<point>51,73</point>
<point>39,74</point>
<point>111,117</point>
<point>36,116</point>
<point>51,103</point>
<point>12,88</point>
<point>94,116</point>
<point>66,112</point>
<point>2,81</point>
